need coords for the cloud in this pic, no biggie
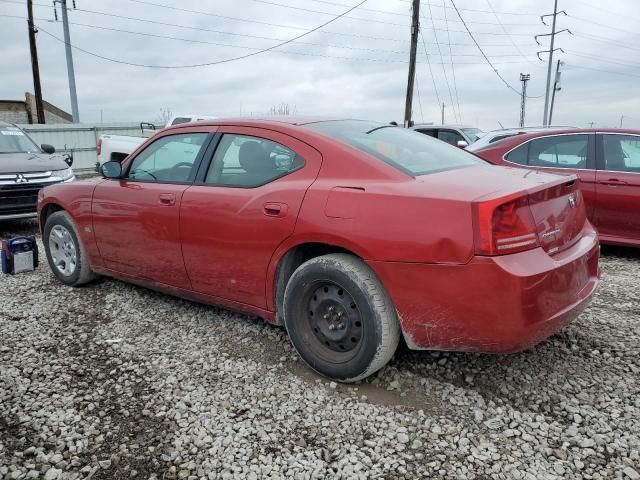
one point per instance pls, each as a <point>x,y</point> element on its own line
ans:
<point>354,67</point>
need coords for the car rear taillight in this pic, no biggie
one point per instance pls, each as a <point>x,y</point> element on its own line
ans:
<point>503,227</point>
<point>99,147</point>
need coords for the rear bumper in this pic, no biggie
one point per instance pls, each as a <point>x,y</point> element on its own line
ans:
<point>493,304</point>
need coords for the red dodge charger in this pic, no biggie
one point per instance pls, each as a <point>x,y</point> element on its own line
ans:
<point>350,233</point>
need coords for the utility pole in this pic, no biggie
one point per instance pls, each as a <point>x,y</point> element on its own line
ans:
<point>524,78</point>
<point>556,88</point>
<point>415,29</point>
<point>443,113</point>
<point>553,34</point>
<point>70,72</point>
<point>37,90</point>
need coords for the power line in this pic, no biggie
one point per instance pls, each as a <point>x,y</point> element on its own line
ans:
<point>169,37</point>
<point>582,67</point>
<point>525,14</point>
<point>604,25</point>
<point>288,52</point>
<point>95,12</point>
<point>228,60</point>
<point>302,9</point>
<point>453,70</point>
<point>599,58</point>
<point>508,85</point>
<point>597,38</point>
<point>200,12</point>
<point>433,78</point>
<point>611,12</point>
<point>505,30</point>
<point>444,71</point>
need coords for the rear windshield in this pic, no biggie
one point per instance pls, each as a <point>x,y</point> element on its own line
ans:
<point>13,140</point>
<point>407,150</point>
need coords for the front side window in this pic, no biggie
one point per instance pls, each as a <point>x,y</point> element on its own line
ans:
<point>406,150</point>
<point>170,159</point>
<point>621,153</point>
<point>247,161</point>
<point>562,151</point>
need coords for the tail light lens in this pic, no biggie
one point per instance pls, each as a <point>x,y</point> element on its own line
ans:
<point>99,147</point>
<point>503,227</point>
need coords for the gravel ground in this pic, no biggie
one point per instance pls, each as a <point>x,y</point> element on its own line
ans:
<point>115,381</point>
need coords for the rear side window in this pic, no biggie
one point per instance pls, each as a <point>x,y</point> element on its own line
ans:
<point>621,153</point>
<point>562,151</point>
<point>520,155</point>
<point>246,161</point>
<point>407,150</point>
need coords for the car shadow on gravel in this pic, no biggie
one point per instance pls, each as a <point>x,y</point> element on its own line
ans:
<point>626,253</point>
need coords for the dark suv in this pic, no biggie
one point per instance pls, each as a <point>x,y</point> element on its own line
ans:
<point>452,134</point>
<point>24,169</point>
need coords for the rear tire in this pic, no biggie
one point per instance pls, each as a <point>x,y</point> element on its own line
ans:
<point>65,251</point>
<point>340,318</point>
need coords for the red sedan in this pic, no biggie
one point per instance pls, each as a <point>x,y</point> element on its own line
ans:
<point>350,233</point>
<point>607,162</point>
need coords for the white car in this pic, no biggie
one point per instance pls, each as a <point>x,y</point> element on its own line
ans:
<point>497,135</point>
<point>118,147</point>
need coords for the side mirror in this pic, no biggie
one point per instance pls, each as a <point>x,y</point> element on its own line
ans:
<point>68,158</point>
<point>46,148</point>
<point>111,169</point>
<point>462,144</point>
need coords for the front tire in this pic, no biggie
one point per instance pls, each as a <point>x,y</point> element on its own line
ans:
<point>340,318</point>
<point>66,254</point>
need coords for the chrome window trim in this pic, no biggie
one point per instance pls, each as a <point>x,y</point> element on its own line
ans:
<point>504,159</point>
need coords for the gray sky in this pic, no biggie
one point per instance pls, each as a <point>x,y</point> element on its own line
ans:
<point>356,67</point>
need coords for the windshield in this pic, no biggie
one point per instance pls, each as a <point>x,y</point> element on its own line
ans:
<point>473,133</point>
<point>13,140</point>
<point>407,150</point>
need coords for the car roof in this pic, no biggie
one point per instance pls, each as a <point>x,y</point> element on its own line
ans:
<point>267,121</point>
<point>5,124</point>
<point>516,140</point>
<point>426,125</point>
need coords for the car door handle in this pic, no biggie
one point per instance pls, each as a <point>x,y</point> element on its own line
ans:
<point>167,199</point>
<point>273,209</point>
<point>613,182</point>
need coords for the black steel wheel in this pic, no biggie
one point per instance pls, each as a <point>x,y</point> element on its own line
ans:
<point>339,317</point>
<point>334,319</point>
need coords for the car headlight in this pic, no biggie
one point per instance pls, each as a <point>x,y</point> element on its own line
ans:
<point>65,175</point>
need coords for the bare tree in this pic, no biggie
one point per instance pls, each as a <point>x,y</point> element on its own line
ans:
<point>283,109</point>
<point>164,116</point>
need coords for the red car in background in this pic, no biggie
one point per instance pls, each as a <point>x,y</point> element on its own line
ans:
<point>607,162</point>
<point>350,233</point>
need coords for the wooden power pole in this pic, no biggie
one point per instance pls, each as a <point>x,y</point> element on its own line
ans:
<point>415,30</point>
<point>34,64</point>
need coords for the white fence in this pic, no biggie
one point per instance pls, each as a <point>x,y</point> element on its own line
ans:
<point>79,139</point>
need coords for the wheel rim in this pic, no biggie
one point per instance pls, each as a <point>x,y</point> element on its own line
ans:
<point>63,250</point>
<point>334,322</point>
